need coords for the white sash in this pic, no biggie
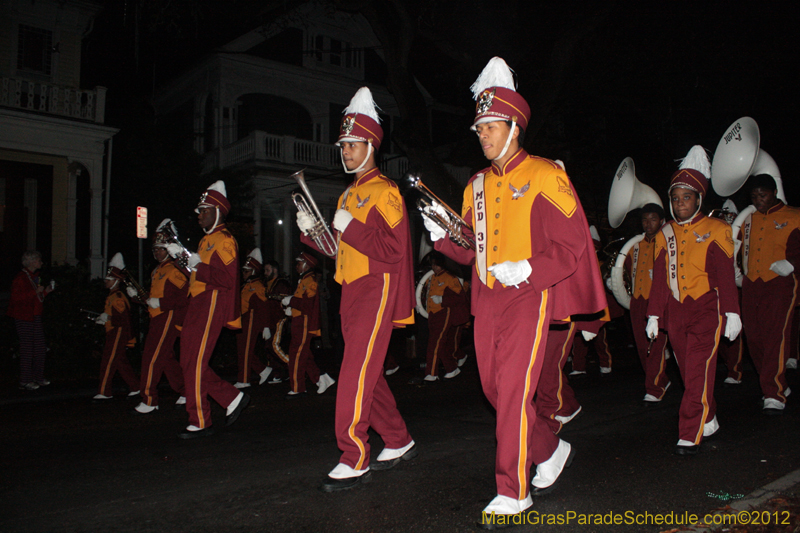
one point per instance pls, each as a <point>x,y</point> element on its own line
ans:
<point>746,228</point>
<point>479,207</point>
<point>635,261</point>
<point>672,260</point>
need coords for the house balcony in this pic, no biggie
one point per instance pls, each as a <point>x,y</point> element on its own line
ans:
<point>63,101</point>
<point>264,149</point>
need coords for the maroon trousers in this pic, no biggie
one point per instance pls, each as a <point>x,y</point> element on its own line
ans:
<point>554,396</point>
<point>201,328</point>
<point>695,329</point>
<point>116,360</point>
<point>654,363</point>
<point>731,353</point>
<point>301,360</point>
<point>580,348</point>
<point>511,331</point>
<point>158,358</point>
<point>246,346</point>
<point>440,342</point>
<point>767,316</point>
<point>363,398</point>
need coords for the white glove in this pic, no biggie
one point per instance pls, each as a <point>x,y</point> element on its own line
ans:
<point>288,311</point>
<point>782,267</point>
<point>588,335</point>
<point>512,273</point>
<point>652,327</point>
<point>733,327</point>
<point>436,299</point>
<point>286,301</point>
<point>173,249</point>
<point>267,334</point>
<point>154,303</point>
<point>131,292</point>
<point>193,261</point>
<point>651,273</point>
<point>341,219</point>
<point>102,319</point>
<point>436,231</point>
<point>52,285</point>
<point>305,222</point>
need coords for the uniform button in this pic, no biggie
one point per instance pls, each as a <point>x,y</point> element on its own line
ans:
<point>497,215</point>
<point>681,253</point>
<point>686,231</point>
<point>494,248</point>
<point>494,264</point>
<point>683,242</point>
<point>497,200</point>
<point>499,183</point>
<point>683,277</point>
<point>496,231</point>
<point>685,288</point>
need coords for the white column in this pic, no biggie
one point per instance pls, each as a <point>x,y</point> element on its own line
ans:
<point>72,202</point>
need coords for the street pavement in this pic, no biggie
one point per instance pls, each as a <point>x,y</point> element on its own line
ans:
<point>71,465</point>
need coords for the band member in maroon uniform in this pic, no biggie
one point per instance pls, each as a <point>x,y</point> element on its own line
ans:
<point>116,318</point>
<point>533,263</point>
<point>213,304</point>
<point>447,310</point>
<point>770,257</point>
<point>694,293</point>
<point>254,322</point>
<point>303,307</point>
<point>276,288</point>
<point>374,267</point>
<point>169,297</point>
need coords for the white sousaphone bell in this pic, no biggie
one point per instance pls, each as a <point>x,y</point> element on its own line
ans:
<point>627,194</point>
<point>737,157</point>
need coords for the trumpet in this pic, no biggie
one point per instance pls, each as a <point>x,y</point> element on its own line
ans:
<point>278,297</point>
<point>320,232</point>
<point>141,294</point>
<point>89,315</point>
<point>182,259</point>
<point>451,222</point>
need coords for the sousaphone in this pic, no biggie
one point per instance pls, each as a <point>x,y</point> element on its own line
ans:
<point>627,194</point>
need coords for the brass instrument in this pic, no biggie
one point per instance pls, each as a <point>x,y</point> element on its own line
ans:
<point>171,237</point>
<point>278,297</point>
<point>320,232</point>
<point>89,315</point>
<point>141,294</point>
<point>451,222</point>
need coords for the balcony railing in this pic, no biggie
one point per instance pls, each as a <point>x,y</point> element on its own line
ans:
<point>260,146</point>
<point>54,99</point>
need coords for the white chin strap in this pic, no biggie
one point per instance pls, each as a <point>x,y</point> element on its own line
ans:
<point>216,221</point>
<point>699,205</point>
<point>363,163</point>
<point>508,141</point>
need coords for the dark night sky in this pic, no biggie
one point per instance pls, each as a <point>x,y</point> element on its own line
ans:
<point>620,79</point>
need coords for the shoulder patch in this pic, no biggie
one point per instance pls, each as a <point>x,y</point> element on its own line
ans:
<point>390,206</point>
<point>558,190</point>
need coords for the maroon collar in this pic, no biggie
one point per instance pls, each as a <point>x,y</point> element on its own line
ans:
<point>368,175</point>
<point>775,208</point>
<point>511,164</point>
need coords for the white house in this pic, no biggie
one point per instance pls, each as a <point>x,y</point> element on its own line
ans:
<point>271,101</point>
<point>55,152</point>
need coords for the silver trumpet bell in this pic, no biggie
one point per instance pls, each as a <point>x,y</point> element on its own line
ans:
<point>171,237</point>
<point>320,233</point>
<point>450,222</point>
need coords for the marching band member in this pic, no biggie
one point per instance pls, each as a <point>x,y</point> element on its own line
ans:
<point>116,319</point>
<point>168,298</point>
<point>303,307</point>
<point>275,287</point>
<point>447,310</point>
<point>213,304</point>
<point>533,262</point>
<point>374,267</point>
<point>694,293</point>
<point>770,257</point>
<point>254,322</point>
<point>639,266</point>
<point>598,339</point>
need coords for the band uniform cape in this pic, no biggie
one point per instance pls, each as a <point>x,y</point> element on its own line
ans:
<point>534,202</point>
